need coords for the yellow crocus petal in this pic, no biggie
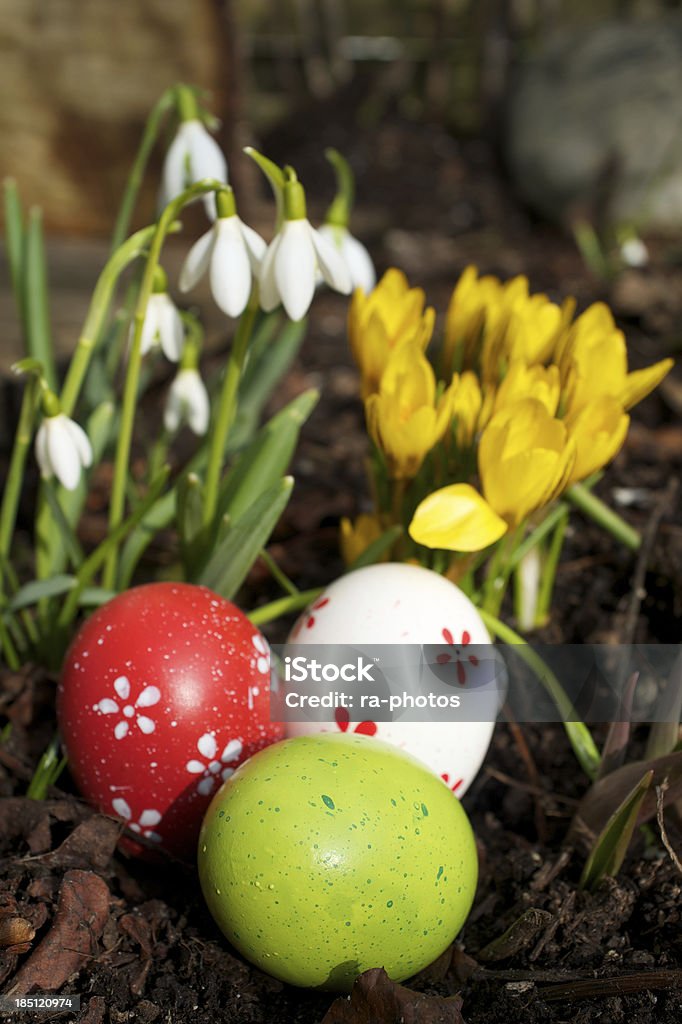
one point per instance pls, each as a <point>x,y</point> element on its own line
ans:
<point>599,430</point>
<point>471,302</point>
<point>525,458</point>
<point>523,483</point>
<point>640,383</point>
<point>522,381</point>
<point>466,402</point>
<point>456,518</point>
<point>356,536</point>
<point>391,315</point>
<point>402,418</point>
<point>532,330</point>
<point>409,377</point>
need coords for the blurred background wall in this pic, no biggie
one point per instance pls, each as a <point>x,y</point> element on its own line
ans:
<point>78,78</point>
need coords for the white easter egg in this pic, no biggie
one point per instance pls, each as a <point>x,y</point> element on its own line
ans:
<point>398,604</point>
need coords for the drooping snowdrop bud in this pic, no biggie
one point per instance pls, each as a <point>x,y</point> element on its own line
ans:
<point>231,252</point>
<point>335,227</point>
<point>295,254</point>
<point>187,400</point>
<point>162,323</point>
<point>192,155</point>
<point>355,255</point>
<point>62,447</point>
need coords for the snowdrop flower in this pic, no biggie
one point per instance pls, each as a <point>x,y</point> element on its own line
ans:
<point>335,226</point>
<point>355,255</point>
<point>634,252</point>
<point>62,447</point>
<point>231,252</point>
<point>192,155</point>
<point>187,402</point>
<point>293,257</point>
<point>162,327</point>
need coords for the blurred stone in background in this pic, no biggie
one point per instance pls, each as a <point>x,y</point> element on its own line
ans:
<point>78,78</point>
<point>594,124</point>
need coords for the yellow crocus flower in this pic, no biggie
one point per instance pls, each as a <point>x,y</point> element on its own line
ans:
<point>593,362</point>
<point>456,518</point>
<point>391,315</point>
<point>525,459</point>
<point>598,430</point>
<point>524,381</point>
<point>466,402</point>
<point>358,534</point>
<point>404,419</point>
<point>470,303</point>
<point>522,327</point>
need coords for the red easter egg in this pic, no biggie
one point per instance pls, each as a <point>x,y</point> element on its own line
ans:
<point>164,692</point>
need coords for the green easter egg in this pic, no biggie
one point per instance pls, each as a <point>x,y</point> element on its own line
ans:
<point>326,855</point>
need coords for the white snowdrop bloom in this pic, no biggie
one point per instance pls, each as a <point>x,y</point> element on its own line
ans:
<point>192,155</point>
<point>634,252</point>
<point>232,253</point>
<point>290,266</point>
<point>358,260</point>
<point>162,327</point>
<point>187,402</point>
<point>62,449</point>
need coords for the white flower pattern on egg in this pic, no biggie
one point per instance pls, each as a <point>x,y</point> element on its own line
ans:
<point>144,825</point>
<point>212,769</point>
<point>147,698</point>
<point>262,654</point>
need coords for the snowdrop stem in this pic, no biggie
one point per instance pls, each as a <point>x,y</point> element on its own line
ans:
<point>284,606</point>
<point>338,213</point>
<point>227,407</point>
<point>579,735</point>
<point>97,314</point>
<point>132,380</point>
<point>580,496</point>
<point>149,136</point>
<point>15,476</point>
<point>549,569</point>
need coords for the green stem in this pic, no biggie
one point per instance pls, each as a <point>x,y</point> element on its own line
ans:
<point>538,534</point>
<point>550,568</point>
<point>118,489</point>
<point>98,557</point>
<point>579,735</point>
<point>277,574</point>
<point>283,606</point>
<point>499,571</point>
<point>8,649</point>
<point>227,408</point>
<point>97,313</point>
<point>48,771</point>
<point>591,250</point>
<point>149,136</point>
<point>600,512</point>
<point>15,475</point>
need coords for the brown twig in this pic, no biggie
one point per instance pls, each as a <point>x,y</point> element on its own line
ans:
<point>621,985</point>
<point>638,593</point>
<point>532,771</point>
<point>660,803</point>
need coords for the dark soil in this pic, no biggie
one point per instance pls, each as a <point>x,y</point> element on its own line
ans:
<point>78,915</point>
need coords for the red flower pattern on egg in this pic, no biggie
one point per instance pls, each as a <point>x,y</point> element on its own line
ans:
<point>445,658</point>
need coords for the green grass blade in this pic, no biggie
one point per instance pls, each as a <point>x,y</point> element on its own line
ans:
<point>609,850</point>
<point>39,338</point>
<point>231,560</point>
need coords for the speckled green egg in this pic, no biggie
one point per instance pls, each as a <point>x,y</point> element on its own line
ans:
<point>325,855</point>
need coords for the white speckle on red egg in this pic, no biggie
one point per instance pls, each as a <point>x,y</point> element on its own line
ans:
<point>160,723</point>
